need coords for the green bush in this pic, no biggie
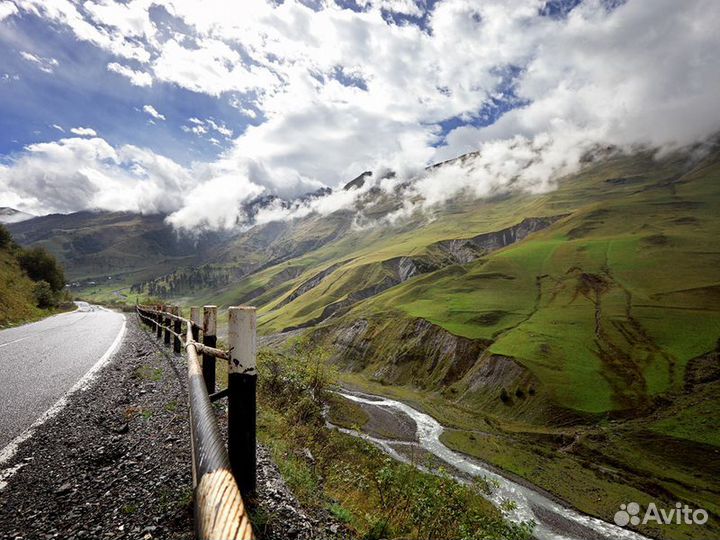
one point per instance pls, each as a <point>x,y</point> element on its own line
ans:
<point>6,239</point>
<point>39,265</point>
<point>45,297</point>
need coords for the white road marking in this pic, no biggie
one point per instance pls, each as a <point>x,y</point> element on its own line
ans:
<point>12,447</point>
<point>13,341</point>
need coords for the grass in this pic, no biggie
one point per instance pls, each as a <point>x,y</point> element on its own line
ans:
<point>373,495</point>
<point>17,298</point>
<point>149,373</point>
<point>602,315</point>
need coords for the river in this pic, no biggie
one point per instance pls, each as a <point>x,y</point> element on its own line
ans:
<point>553,520</point>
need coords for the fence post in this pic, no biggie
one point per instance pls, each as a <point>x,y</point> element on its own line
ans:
<point>166,323</point>
<point>158,320</point>
<point>196,320</point>
<point>242,388</point>
<point>209,339</point>
<point>177,327</point>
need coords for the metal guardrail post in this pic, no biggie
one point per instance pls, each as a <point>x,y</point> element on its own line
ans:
<point>196,319</point>
<point>242,389</point>
<point>177,328</point>
<point>166,323</point>
<point>209,339</point>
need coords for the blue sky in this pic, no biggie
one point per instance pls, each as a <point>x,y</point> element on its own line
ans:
<point>159,105</point>
<point>80,91</point>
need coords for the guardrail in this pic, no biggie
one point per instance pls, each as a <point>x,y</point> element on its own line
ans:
<point>222,478</point>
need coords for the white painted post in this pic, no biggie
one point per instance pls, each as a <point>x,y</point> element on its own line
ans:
<point>242,391</point>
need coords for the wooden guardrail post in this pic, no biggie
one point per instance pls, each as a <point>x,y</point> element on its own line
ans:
<point>158,320</point>
<point>196,320</point>
<point>177,328</point>
<point>166,324</point>
<point>209,339</point>
<point>242,389</point>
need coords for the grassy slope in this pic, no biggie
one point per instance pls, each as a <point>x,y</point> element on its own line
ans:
<point>17,303</point>
<point>605,308</point>
<point>635,254</point>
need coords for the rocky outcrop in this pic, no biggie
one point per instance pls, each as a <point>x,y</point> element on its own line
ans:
<point>311,283</point>
<point>463,251</point>
<point>415,350</point>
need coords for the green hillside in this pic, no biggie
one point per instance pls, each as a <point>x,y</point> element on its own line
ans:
<point>25,294</point>
<point>17,301</point>
<point>104,253</point>
<point>570,337</point>
<point>584,318</point>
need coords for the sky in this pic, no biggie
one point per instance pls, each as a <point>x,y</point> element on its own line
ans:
<point>192,108</point>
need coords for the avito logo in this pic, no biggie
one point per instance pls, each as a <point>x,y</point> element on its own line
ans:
<point>681,514</point>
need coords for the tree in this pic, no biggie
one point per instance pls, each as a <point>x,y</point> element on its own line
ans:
<point>45,297</point>
<point>6,239</point>
<point>39,265</point>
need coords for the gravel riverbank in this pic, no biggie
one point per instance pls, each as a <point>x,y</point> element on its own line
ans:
<point>115,462</point>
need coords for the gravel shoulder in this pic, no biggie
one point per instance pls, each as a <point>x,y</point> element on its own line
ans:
<point>115,462</point>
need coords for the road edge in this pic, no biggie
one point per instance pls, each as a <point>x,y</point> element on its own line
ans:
<point>11,448</point>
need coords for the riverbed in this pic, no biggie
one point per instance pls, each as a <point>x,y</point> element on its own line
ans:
<point>554,521</point>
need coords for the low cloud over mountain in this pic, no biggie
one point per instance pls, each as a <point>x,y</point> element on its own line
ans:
<point>316,96</point>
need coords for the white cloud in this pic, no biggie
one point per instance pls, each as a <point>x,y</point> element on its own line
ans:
<point>334,92</point>
<point>108,36</point>
<point>149,109</point>
<point>59,128</point>
<point>210,67</point>
<point>137,78</point>
<point>7,9</point>
<point>46,65</point>
<point>83,131</point>
<point>79,173</point>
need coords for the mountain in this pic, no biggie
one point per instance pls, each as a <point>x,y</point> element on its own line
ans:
<point>571,337</point>
<point>108,251</point>
<point>10,215</point>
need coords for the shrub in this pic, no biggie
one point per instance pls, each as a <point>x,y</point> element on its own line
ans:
<point>6,239</point>
<point>39,265</point>
<point>45,297</point>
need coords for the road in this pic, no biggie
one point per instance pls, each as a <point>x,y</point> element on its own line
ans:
<point>41,361</point>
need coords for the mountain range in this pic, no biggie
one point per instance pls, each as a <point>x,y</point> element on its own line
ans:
<point>570,337</point>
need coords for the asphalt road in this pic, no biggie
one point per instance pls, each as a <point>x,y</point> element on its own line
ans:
<point>40,362</point>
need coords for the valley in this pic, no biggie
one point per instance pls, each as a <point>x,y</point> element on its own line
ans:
<point>570,338</point>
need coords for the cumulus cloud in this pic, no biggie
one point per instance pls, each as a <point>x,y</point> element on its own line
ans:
<point>136,77</point>
<point>83,132</point>
<point>333,92</point>
<point>149,109</point>
<point>7,9</point>
<point>76,173</point>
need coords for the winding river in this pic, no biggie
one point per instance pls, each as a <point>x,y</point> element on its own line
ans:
<point>553,521</point>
